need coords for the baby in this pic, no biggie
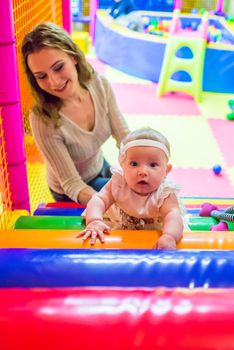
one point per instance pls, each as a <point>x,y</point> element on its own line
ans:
<point>139,195</point>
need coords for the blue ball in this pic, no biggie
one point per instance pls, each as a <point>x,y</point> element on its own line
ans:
<point>194,11</point>
<point>217,169</point>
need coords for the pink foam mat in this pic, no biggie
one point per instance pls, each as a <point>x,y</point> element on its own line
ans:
<point>99,66</point>
<point>202,183</point>
<point>142,99</point>
<point>223,131</point>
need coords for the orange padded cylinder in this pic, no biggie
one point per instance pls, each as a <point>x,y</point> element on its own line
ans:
<point>117,239</point>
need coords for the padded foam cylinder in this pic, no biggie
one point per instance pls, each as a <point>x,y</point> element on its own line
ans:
<point>126,319</point>
<point>58,211</point>
<point>201,223</point>
<point>43,218</point>
<point>63,205</point>
<point>124,268</point>
<point>50,222</point>
<point>138,239</point>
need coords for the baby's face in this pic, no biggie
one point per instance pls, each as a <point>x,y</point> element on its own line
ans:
<point>145,168</point>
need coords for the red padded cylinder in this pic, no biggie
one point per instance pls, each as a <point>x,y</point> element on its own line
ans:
<point>114,319</point>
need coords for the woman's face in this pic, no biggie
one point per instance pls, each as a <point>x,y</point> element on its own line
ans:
<point>55,72</point>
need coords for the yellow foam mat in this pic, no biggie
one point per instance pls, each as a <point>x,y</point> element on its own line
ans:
<point>192,146</point>
<point>214,105</point>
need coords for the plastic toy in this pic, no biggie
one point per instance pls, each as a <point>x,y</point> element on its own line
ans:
<point>149,66</point>
<point>121,7</point>
<point>219,8</point>
<point>195,41</point>
<point>230,116</point>
<point>230,19</point>
<point>227,217</point>
<point>217,169</point>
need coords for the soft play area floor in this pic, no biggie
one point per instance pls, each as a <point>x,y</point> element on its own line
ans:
<point>200,135</point>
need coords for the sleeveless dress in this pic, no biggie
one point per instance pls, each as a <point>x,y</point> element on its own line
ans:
<point>134,212</point>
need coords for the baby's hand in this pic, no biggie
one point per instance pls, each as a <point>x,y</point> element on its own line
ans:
<point>166,242</point>
<point>95,229</point>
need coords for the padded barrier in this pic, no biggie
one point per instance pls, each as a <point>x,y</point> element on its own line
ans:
<point>142,54</point>
<point>117,239</point>
<point>123,268</point>
<point>189,202</point>
<point>126,319</point>
<point>50,222</point>
<point>196,223</point>
<point>59,211</point>
<point>62,205</point>
<point>200,223</point>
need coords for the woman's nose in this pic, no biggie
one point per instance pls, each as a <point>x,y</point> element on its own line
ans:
<point>53,80</point>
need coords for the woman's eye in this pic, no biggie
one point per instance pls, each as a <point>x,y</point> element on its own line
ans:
<point>58,67</point>
<point>133,163</point>
<point>40,77</point>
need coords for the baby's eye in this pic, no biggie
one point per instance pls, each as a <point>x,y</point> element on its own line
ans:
<point>132,163</point>
<point>58,67</point>
<point>153,165</point>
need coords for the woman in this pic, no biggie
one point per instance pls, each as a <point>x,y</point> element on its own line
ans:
<point>74,114</point>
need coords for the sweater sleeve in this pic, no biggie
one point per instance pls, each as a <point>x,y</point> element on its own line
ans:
<point>119,126</point>
<point>56,155</point>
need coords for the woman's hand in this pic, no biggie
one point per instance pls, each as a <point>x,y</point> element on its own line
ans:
<point>94,230</point>
<point>85,195</point>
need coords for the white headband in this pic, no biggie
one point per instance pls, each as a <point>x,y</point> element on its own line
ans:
<point>142,142</point>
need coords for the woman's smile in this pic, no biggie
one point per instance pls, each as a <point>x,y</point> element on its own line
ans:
<point>61,88</point>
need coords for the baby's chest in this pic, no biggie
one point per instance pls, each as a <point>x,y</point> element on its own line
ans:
<point>138,207</point>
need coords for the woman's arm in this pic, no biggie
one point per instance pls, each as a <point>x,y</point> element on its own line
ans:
<point>58,160</point>
<point>85,195</point>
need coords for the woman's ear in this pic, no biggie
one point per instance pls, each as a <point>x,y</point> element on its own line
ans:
<point>169,167</point>
<point>74,59</point>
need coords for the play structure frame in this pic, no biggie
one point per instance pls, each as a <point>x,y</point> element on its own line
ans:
<point>11,111</point>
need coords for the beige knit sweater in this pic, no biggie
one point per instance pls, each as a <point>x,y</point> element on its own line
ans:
<point>72,155</point>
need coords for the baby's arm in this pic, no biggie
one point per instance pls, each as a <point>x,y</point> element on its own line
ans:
<point>96,207</point>
<point>172,223</point>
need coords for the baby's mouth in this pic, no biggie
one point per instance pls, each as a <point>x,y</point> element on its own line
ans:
<point>142,182</point>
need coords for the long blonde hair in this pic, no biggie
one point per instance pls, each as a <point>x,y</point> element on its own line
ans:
<point>49,35</point>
